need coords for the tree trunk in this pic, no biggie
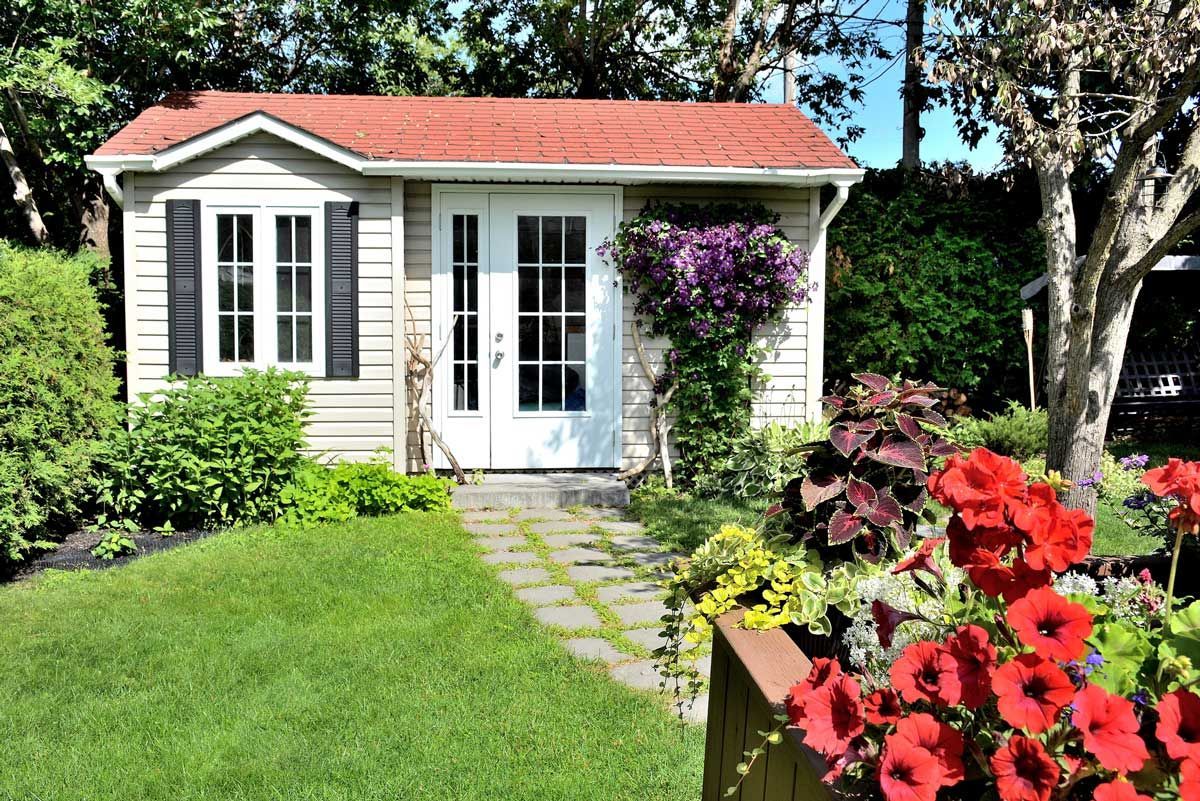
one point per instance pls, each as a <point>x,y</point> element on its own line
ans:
<point>93,223</point>
<point>23,194</point>
<point>910,158</point>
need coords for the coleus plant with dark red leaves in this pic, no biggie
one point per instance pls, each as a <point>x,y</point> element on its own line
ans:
<point>864,492</point>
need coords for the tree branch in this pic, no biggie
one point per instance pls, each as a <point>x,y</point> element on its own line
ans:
<point>1163,247</point>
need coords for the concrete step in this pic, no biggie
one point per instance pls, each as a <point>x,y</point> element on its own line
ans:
<point>542,490</point>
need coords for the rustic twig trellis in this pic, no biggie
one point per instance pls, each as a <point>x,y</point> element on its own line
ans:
<point>419,377</point>
<point>660,424</point>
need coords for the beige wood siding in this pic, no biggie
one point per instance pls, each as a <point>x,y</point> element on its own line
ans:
<point>351,418</point>
<point>783,397</point>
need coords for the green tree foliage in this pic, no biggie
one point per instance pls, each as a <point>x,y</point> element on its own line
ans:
<point>56,392</point>
<point>924,278</point>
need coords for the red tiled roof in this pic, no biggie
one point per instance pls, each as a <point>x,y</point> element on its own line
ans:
<point>524,130</point>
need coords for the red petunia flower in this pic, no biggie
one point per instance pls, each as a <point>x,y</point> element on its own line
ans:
<point>1032,692</point>
<point>922,559</point>
<point>883,707</point>
<point>1189,780</point>
<point>908,773</point>
<point>1118,790</point>
<point>1179,724</point>
<point>822,672</point>
<point>973,657</point>
<point>887,618</point>
<point>921,674</point>
<point>1024,771</point>
<point>1050,624</point>
<point>945,743</point>
<point>1109,729</point>
<point>979,487</point>
<point>833,715</point>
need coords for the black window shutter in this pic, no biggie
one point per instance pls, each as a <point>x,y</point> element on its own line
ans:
<point>185,352</point>
<point>341,289</point>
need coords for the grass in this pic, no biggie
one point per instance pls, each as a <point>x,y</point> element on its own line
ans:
<point>375,660</point>
<point>682,522</point>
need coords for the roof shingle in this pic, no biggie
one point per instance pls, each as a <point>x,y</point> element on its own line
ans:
<point>508,130</point>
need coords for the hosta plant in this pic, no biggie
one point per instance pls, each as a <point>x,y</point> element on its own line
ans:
<point>864,489</point>
<point>1025,686</point>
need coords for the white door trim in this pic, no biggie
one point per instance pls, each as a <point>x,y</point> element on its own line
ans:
<point>439,291</point>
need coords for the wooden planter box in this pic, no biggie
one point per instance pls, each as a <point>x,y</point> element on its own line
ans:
<point>752,672</point>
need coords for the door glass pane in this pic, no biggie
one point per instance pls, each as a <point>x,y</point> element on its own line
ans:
<point>576,393</point>
<point>283,288</point>
<point>304,239</point>
<point>575,246</point>
<point>293,287</point>
<point>245,341</point>
<point>225,287</point>
<point>225,238</point>
<point>464,271</point>
<point>283,334</point>
<point>304,338</point>
<point>225,345</point>
<point>552,375</point>
<point>283,239</point>
<point>552,346</point>
<point>527,240</point>
<point>304,287</point>
<point>552,246</point>
<point>575,297</point>
<point>245,287</point>
<point>245,238</point>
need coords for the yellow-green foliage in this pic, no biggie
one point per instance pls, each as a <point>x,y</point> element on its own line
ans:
<point>57,389</point>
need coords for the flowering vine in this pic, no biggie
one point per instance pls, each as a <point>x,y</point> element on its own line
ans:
<point>706,277</point>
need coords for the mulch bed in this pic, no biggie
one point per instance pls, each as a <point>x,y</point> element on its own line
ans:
<point>75,552</point>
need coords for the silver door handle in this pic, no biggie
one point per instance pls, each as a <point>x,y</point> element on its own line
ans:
<point>499,355</point>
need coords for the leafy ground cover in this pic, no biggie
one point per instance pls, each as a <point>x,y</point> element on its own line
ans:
<point>376,659</point>
<point>682,521</point>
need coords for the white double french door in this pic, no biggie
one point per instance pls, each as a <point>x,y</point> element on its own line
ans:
<point>529,376</point>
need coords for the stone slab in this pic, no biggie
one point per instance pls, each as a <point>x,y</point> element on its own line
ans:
<point>635,614</point>
<point>499,543</point>
<point>542,491</point>
<point>525,575</point>
<point>595,648</point>
<point>598,573</point>
<point>560,527</point>
<point>626,528</point>
<point>652,639</point>
<point>485,516</point>
<point>641,675</point>
<point>543,514</point>
<point>592,513</point>
<point>572,556</point>
<point>568,617</point>
<point>633,591</point>
<point>635,542</point>
<point>694,711</point>
<point>652,559</point>
<point>569,540</point>
<point>543,596</point>
<point>490,529</point>
<point>510,558</point>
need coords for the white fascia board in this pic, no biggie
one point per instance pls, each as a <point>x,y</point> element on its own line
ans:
<point>467,170</point>
<point>611,173</point>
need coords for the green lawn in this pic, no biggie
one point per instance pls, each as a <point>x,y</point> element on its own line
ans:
<point>681,522</point>
<point>374,660</point>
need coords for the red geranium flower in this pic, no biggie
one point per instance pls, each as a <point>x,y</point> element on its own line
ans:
<point>922,559</point>
<point>1050,624</point>
<point>883,707</point>
<point>945,743</point>
<point>833,715</point>
<point>1189,780</point>
<point>887,618</point>
<point>1032,692</point>
<point>1109,728</point>
<point>1179,724</point>
<point>1064,540</point>
<point>1024,771</point>
<point>1181,480</point>
<point>1118,790</point>
<point>979,487</point>
<point>974,657</point>
<point>1036,509</point>
<point>921,674</point>
<point>964,542</point>
<point>823,670</point>
<point>908,773</point>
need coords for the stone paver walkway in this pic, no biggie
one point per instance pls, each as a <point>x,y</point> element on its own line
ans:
<point>592,580</point>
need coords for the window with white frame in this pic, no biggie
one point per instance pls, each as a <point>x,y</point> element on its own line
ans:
<point>263,294</point>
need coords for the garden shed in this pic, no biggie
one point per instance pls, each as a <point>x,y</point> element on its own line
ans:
<point>318,232</point>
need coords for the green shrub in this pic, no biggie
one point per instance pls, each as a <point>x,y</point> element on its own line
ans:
<point>924,278</point>
<point>764,460</point>
<point>360,489</point>
<point>1016,432</point>
<point>114,543</point>
<point>57,389</point>
<point>209,452</point>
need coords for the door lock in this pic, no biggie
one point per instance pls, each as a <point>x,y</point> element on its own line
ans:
<point>499,336</point>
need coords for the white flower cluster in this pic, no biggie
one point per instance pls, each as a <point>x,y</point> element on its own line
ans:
<point>899,592</point>
<point>1126,598</point>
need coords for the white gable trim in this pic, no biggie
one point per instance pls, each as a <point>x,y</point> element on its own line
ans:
<point>261,122</point>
